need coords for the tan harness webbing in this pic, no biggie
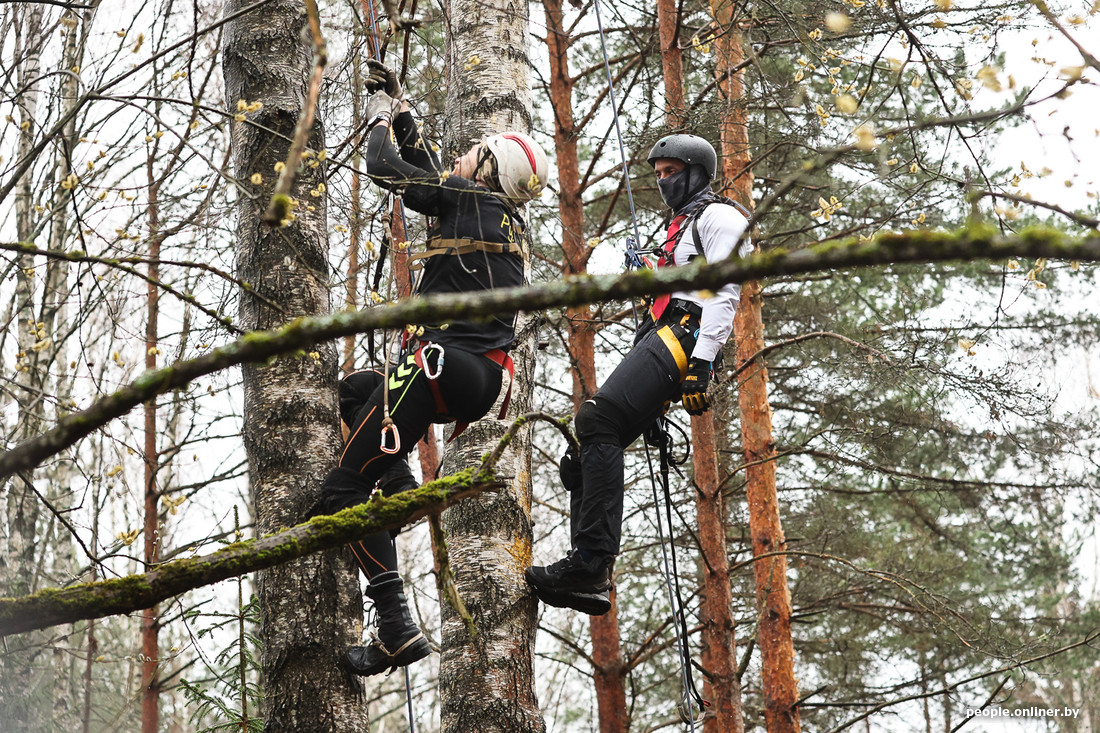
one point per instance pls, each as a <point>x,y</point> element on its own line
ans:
<point>441,246</point>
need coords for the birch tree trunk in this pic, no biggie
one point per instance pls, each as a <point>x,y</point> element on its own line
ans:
<point>311,609</point>
<point>20,526</point>
<point>486,680</point>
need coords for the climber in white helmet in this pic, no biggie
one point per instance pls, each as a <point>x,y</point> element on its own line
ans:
<point>475,242</point>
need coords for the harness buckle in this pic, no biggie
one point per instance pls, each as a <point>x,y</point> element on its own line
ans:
<point>389,428</point>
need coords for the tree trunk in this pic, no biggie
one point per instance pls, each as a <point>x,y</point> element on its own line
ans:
<point>486,681</point>
<point>19,528</point>
<point>311,609</point>
<point>718,641</point>
<point>608,675</point>
<point>772,594</point>
<point>150,622</point>
<point>672,66</point>
<point>758,446</point>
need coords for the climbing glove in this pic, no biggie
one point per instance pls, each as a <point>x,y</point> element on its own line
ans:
<point>382,78</point>
<point>379,109</point>
<point>694,387</point>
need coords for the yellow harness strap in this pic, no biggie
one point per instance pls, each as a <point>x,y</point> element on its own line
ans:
<point>673,345</point>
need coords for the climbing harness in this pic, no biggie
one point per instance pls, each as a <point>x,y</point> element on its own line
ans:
<point>691,701</point>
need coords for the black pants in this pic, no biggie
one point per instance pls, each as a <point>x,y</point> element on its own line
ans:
<point>468,384</point>
<point>628,403</point>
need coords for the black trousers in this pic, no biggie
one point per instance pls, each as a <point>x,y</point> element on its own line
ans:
<point>468,384</point>
<point>627,404</point>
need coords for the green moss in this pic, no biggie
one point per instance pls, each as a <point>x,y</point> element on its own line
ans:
<point>280,206</point>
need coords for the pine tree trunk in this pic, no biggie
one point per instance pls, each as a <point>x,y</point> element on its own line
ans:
<point>720,684</point>
<point>608,675</point>
<point>758,446</point>
<point>486,681</point>
<point>311,609</point>
<point>672,66</point>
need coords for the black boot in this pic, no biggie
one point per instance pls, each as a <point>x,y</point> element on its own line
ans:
<point>572,582</point>
<point>398,641</point>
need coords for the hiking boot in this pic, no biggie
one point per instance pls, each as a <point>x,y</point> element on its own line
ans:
<point>573,582</point>
<point>398,641</point>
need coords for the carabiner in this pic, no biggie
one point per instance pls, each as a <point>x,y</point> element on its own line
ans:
<point>439,363</point>
<point>389,427</point>
<point>687,707</point>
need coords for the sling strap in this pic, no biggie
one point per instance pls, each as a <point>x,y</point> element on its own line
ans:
<point>441,246</point>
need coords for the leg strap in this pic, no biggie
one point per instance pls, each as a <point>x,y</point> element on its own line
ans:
<point>504,360</point>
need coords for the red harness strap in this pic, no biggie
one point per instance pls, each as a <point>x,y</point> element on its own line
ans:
<point>665,260</point>
<point>498,356</point>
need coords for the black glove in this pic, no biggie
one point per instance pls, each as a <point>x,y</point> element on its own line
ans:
<point>694,387</point>
<point>379,109</point>
<point>381,78</point>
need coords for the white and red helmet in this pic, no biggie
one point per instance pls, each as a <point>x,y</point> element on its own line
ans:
<point>518,166</point>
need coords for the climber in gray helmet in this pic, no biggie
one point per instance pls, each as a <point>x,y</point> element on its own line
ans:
<point>673,357</point>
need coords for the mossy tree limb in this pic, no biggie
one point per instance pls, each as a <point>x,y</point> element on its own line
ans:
<point>53,606</point>
<point>919,246</point>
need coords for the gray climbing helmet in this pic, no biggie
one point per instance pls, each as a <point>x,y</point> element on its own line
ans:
<point>691,149</point>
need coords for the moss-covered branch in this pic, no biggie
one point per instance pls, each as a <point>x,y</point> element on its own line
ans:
<point>972,243</point>
<point>54,606</point>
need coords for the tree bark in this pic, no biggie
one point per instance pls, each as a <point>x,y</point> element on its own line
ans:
<point>672,66</point>
<point>486,681</point>
<point>758,445</point>
<point>722,685</point>
<point>19,527</point>
<point>311,609</point>
<point>150,621</point>
<point>609,669</point>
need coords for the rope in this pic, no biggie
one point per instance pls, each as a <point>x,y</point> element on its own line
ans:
<point>691,696</point>
<point>409,700</point>
<point>618,133</point>
<point>387,344</point>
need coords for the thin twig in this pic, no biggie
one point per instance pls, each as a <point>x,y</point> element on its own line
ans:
<point>279,206</point>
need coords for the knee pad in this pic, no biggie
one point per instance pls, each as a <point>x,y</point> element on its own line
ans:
<point>597,422</point>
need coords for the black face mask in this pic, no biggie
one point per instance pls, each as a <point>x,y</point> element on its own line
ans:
<point>679,188</point>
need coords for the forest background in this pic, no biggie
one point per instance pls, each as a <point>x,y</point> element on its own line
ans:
<point>930,435</point>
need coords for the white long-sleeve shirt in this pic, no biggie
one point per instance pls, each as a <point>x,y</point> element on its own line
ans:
<point>721,227</point>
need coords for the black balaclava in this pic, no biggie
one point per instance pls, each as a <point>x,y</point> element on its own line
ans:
<point>680,188</point>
